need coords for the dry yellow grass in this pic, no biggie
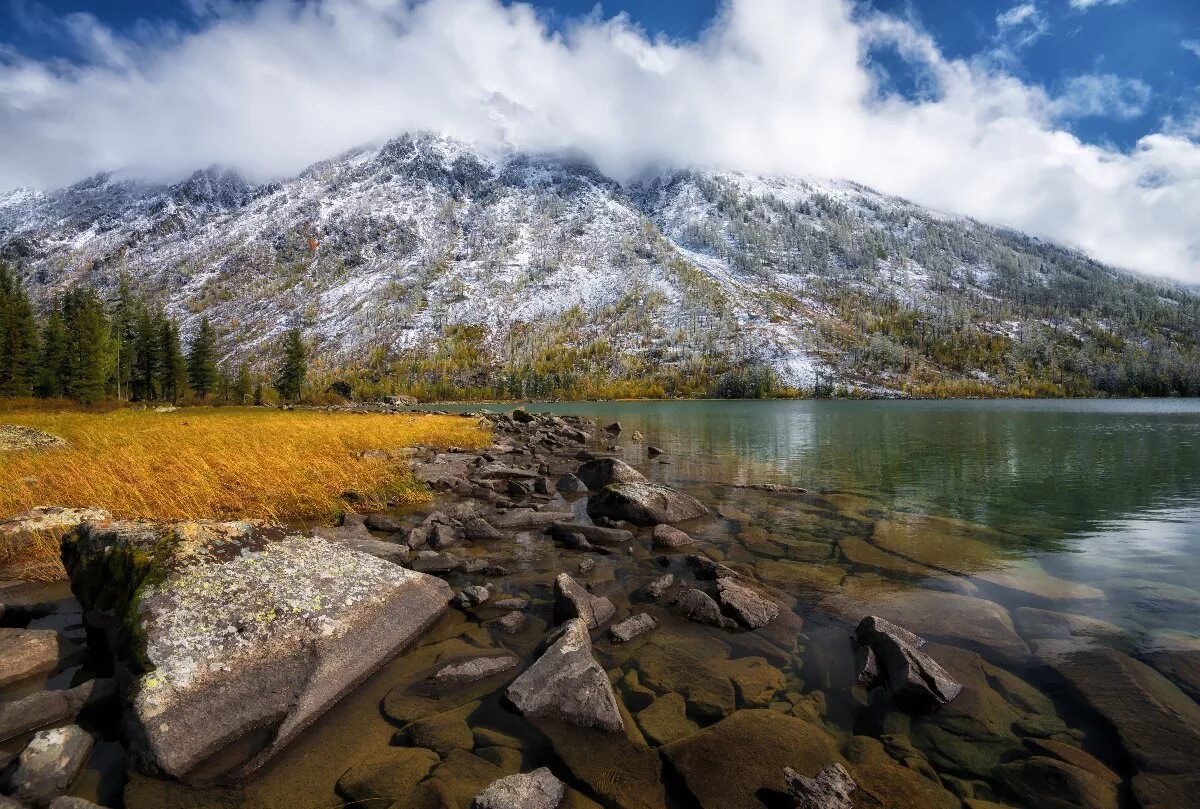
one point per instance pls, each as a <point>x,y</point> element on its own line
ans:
<point>221,463</point>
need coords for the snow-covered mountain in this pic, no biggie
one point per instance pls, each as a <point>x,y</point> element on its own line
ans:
<point>379,253</point>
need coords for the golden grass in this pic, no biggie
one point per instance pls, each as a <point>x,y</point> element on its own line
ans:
<point>222,463</point>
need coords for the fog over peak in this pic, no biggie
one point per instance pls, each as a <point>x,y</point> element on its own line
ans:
<point>773,86</point>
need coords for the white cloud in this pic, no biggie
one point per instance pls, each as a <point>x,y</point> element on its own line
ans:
<point>774,86</point>
<point>1192,45</point>
<point>1084,5</point>
<point>1021,25</point>
<point>1102,95</point>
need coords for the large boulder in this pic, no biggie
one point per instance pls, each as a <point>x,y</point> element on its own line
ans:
<point>600,472</point>
<point>644,504</point>
<point>230,632</point>
<point>566,683</point>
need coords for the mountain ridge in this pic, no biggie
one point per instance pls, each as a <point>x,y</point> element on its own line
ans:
<point>384,254</point>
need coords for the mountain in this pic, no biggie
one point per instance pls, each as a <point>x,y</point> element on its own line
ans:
<point>461,272</point>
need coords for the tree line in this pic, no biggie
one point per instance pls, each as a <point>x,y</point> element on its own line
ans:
<point>84,348</point>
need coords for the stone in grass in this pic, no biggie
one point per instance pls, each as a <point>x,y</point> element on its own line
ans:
<point>671,538</point>
<point>573,601</point>
<point>468,671</point>
<point>50,763</point>
<point>644,504</point>
<point>830,789</point>
<point>566,683</point>
<point>632,627</point>
<point>532,790</point>
<point>284,625</point>
<point>752,610</point>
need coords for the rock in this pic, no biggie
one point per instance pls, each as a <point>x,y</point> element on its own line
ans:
<point>861,552</point>
<point>915,681</point>
<point>671,538</point>
<point>472,596</point>
<point>1158,725</point>
<point>615,427</point>
<point>653,451</point>
<point>513,622</point>
<point>384,523</point>
<point>886,783</point>
<point>601,472</point>
<point>477,529</point>
<point>632,627</point>
<point>25,652</point>
<point>1075,756</point>
<point>578,542</point>
<point>729,763</point>
<point>388,774</point>
<point>752,610</point>
<point>566,683</point>
<point>706,569</point>
<point>667,664</point>
<point>442,732</point>
<point>501,472</point>
<point>620,769</point>
<point>284,624</point>
<point>43,708</point>
<point>534,790</point>
<point>528,518</point>
<point>830,789</point>
<point>665,720</point>
<point>69,802</point>
<point>1180,666</point>
<point>49,763</point>
<point>757,682</point>
<point>17,438</point>
<point>522,416</point>
<point>573,601</point>
<point>570,484</point>
<point>1046,782</point>
<point>392,552</point>
<point>598,534</point>
<point>644,504</point>
<point>657,588</point>
<point>469,671</point>
<point>698,606</point>
<point>510,604</point>
<point>1035,623</point>
<point>51,518</point>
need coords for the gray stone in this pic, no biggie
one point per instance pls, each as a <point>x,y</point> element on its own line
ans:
<point>528,518</point>
<point>597,534</point>
<point>43,708</point>
<point>513,622</point>
<point>50,518</point>
<point>26,652</point>
<point>384,523</point>
<point>478,529</point>
<point>698,606</point>
<point>469,671</point>
<point>566,683</point>
<point>245,627</point>
<point>601,472</point>
<point>670,538</point>
<point>472,596</point>
<point>573,601</point>
<point>50,763</point>
<point>632,627</point>
<point>708,570</point>
<point>570,484</point>
<point>657,588</point>
<point>830,789</point>
<point>70,802</point>
<point>644,504</point>
<point>915,681</point>
<point>752,610</point>
<point>587,565</point>
<point>533,790</point>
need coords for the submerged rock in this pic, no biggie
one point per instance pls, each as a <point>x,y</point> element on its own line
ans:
<point>566,683</point>
<point>752,610</point>
<point>1041,781</point>
<point>573,601</point>
<point>632,627</point>
<point>670,538</point>
<point>469,671</point>
<point>644,504</point>
<point>390,774</point>
<point>533,790</point>
<point>829,789</point>
<point>598,534</point>
<point>601,472</point>
<point>915,681</point>
<point>49,763</point>
<point>236,628</point>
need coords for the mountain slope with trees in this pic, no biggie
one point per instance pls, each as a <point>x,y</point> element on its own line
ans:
<point>428,267</point>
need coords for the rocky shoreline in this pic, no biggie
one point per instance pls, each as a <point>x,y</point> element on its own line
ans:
<point>572,633</point>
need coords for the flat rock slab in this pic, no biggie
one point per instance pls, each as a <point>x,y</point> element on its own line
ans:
<point>43,708</point>
<point>26,652</point>
<point>237,628</point>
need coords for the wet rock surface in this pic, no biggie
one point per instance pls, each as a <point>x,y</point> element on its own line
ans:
<point>534,790</point>
<point>829,789</point>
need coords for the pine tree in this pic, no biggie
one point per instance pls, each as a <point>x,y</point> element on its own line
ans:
<point>242,387</point>
<point>289,379</point>
<point>125,318</point>
<point>201,360</point>
<point>258,395</point>
<point>173,372</point>
<point>91,355</point>
<point>51,378</point>
<point>18,337</point>
<point>146,371</point>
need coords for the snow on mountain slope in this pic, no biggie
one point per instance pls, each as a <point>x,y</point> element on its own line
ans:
<point>380,250</point>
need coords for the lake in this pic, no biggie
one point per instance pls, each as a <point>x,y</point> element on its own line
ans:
<point>1048,551</point>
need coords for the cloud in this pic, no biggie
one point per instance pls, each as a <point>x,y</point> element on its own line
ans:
<point>1102,95</point>
<point>1084,5</point>
<point>772,86</point>
<point>1192,45</point>
<point>1020,26</point>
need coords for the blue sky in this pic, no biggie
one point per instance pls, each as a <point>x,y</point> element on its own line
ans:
<point>1153,46</point>
<point>1074,120</point>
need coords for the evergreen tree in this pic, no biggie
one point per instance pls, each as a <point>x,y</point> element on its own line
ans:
<point>173,371</point>
<point>125,319</point>
<point>91,355</point>
<point>202,360</point>
<point>147,351</point>
<point>289,378</point>
<point>258,395</point>
<point>242,387</point>
<point>18,337</point>
<point>51,378</point>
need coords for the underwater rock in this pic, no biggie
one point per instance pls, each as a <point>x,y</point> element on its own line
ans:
<point>632,627</point>
<point>667,663</point>
<point>752,610</point>
<point>644,504</point>
<point>657,588</point>
<point>469,671</point>
<point>240,627</point>
<point>46,707</point>
<point>533,790</point>
<point>665,720</point>
<point>1046,782</point>
<point>572,600</point>
<point>567,683</point>
<point>829,789</point>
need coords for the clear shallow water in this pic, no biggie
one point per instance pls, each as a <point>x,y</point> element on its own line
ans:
<point>959,517</point>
